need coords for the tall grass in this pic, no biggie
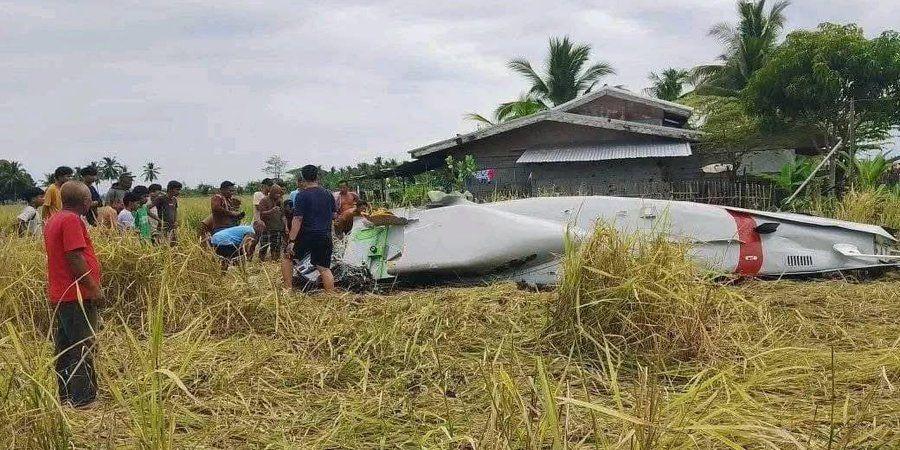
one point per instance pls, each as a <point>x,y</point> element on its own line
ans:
<point>193,358</point>
<point>639,294</point>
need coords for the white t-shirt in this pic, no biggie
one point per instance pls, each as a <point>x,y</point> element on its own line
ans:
<point>32,219</point>
<point>125,220</point>
<point>257,197</point>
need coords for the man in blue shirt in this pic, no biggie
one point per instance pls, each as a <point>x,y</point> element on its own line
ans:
<point>314,211</point>
<point>235,242</point>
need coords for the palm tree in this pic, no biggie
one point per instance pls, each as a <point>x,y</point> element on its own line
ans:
<point>567,74</point>
<point>669,84</point>
<point>150,172</point>
<point>14,180</point>
<point>526,105</point>
<point>747,46</point>
<point>110,169</point>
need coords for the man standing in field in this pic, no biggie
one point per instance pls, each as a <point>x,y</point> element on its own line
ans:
<point>115,197</point>
<point>272,241</point>
<point>89,177</point>
<point>155,193</point>
<point>314,211</point>
<point>52,198</point>
<point>73,274</point>
<point>226,208</point>
<point>167,209</point>
<point>264,186</point>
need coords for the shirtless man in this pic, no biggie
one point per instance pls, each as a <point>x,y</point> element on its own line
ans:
<point>346,201</point>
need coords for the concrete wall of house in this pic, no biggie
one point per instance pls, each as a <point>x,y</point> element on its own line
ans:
<point>617,108</point>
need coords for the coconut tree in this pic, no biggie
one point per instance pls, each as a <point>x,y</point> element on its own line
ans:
<point>567,74</point>
<point>526,105</point>
<point>110,169</point>
<point>668,84</point>
<point>14,180</point>
<point>150,172</point>
<point>747,47</point>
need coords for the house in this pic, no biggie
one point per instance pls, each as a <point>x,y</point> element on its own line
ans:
<point>604,138</point>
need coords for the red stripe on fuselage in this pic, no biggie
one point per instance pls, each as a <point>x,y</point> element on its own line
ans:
<point>750,257</point>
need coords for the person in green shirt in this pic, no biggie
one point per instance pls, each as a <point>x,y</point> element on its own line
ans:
<point>142,214</point>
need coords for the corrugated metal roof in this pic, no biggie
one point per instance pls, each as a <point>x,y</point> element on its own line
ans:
<point>603,152</point>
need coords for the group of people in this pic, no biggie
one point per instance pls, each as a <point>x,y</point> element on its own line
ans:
<point>288,230</point>
<point>147,210</point>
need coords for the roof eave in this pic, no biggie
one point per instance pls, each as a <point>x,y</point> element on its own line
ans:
<point>479,134</point>
<point>562,117</point>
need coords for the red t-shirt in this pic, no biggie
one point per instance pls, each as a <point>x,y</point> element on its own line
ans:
<point>64,232</point>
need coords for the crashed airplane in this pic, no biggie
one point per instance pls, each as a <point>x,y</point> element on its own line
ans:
<point>522,240</point>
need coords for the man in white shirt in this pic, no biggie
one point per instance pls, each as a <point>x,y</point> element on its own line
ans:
<point>29,219</point>
<point>263,191</point>
<point>126,215</point>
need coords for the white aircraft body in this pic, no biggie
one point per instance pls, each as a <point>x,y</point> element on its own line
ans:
<point>522,240</point>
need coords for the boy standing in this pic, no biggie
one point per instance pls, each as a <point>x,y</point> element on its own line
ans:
<point>269,209</point>
<point>73,273</point>
<point>167,209</point>
<point>142,213</point>
<point>125,220</point>
<point>52,199</point>
<point>314,209</point>
<point>29,220</point>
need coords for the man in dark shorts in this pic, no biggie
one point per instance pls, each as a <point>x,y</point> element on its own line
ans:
<point>314,211</point>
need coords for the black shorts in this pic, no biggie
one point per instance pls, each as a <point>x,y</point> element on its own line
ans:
<point>317,246</point>
<point>228,251</point>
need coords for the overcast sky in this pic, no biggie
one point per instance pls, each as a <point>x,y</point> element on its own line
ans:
<point>209,89</point>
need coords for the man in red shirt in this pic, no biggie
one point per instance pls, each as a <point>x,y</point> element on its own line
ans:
<point>73,274</point>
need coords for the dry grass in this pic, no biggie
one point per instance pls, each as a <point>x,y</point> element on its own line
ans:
<point>880,206</point>
<point>191,358</point>
<point>636,294</point>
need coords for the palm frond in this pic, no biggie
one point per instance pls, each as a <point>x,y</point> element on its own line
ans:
<point>478,118</point>
<point>523,67</point>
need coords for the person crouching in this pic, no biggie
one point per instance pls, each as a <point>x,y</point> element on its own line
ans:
<point>73,273</point>
<point>234,243</point>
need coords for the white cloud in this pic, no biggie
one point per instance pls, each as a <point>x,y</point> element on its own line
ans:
<point>210,89</point>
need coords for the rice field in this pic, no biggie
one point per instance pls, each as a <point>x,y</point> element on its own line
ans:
<point>635,350</point>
